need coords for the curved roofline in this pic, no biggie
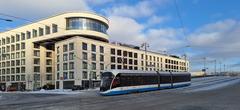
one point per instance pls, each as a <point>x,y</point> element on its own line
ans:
<point>45,18</point>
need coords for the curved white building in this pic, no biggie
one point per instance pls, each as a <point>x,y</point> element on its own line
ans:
<point>70,49</point>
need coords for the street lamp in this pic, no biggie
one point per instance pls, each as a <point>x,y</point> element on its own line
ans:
<point>145,45</point>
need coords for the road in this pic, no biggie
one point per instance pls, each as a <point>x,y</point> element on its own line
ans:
<point>211,93</point>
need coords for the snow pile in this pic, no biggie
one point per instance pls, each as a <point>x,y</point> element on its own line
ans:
<point>56,91</point>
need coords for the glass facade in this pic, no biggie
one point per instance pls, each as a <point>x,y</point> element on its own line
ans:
<point>86,24</point>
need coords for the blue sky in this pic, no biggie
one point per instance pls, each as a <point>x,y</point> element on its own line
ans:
<point>211,27</point>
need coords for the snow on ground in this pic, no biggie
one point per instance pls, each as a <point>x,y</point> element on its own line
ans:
<point>220,84</point>
<point>57,91</point>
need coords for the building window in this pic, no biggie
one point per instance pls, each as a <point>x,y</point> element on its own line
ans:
<point>58,58</point>
<point>49,54</point>
<point>119,67</point>
<point>23,45</point>
<point>28,35</point>
<point>23,62</point>
<point>130,61</point>
<point>93,66</point>
<point>8,40</point>
<point>65,48</point>
<point>130,67</point>
<point>23,54</point>
<point>65,66</point>
<point>85,56</point>
<point>119,60</point>
<point>12,78</point>
<point>3,41</point>
<point>113,59</point>
<point>101,49</point>
<point>74,23</point>
<point>58,76</point>
<point>93,57</point>
<point>119,52</point>
<point>58,50</point>
<point>36,69</point>
<point>135,68</point>
<point>49,69</point>
<point>58,67</point>
<point>101,58</point>
<point>71,46</point>
<point>36,77</point>
<point>71,56</point>
<point>112,51</point>
<point>17,77</point>
<point>22,77</point>
<point>22,36</point>
<point>54,28</point>
<point>71,65</point>
<point>12,39</point>
<point>125,53</point>
<point>47,30</point>
<point>40,30</point>
<point>13,70</point>
<point>85,65</point>
<point>101,66</point>
<point>84,23</point>
<point>22,69</point>
<point>94,76</point>
<point>34,32</point>
<point>93,48</point>
<point>48,77</point>
<point>37,46</point>
<point>17,37</point>
<point>37,53</point>
<point>84,75</point>
<point>12,47</point>
<point>17,46</point>
<point>130,54</point>
<point>36,61</point>
<point>135,62</point>
<point>8,78</point>
<point>84,46</point>
<point>65,75</point>
<point>65,57</point>
<point>71,75</point>
<point>135,55</point>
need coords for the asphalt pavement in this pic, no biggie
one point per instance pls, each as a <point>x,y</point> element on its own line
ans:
<point>211,93</point>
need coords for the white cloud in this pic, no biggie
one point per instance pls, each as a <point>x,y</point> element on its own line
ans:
<point>99,2</point>
<point>126,30</point>
<point>219,39</point>
<point>164,38</point>
<point>143,8</point>
<point>41,8</point>
<point>155,20</point>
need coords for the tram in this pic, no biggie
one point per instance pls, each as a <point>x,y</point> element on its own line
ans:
<point>116,82</point>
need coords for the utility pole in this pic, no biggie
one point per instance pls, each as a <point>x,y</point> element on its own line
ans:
<point>220,67</point>
<point>185,59</point>
<point>215,67</point>
<point>204,63</point>
<point>145,45</point>
<point>224,68</point>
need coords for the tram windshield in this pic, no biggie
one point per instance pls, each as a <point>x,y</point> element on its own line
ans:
<point>106,81</point>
